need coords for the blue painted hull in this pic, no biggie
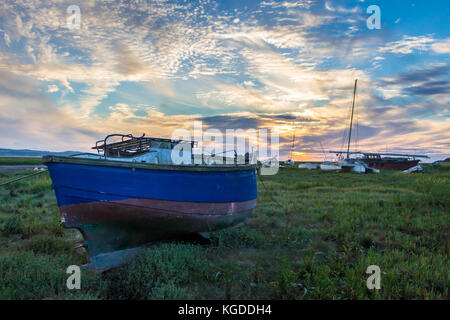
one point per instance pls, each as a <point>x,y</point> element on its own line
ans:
<point>119,206</point>
<point>76,184</point>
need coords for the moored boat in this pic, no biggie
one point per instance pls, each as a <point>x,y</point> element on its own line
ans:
<point>352,165</point>
<point>120,203</point>
<point>391,161</point>
<point>330,166</point>
<point>289,162</point>
<point>356,166</point>
<point>309,166</point>
<point>370,161</point>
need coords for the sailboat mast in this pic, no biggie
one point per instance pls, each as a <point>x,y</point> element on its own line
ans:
<point>293,141</point>
<point>351,120</point>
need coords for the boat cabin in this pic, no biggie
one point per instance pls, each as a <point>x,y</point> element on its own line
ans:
<point>140,149</point>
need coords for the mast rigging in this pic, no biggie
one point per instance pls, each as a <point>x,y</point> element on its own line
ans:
<point>351,120</point>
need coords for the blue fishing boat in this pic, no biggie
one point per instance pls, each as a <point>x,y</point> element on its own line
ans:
<point>131,194</point>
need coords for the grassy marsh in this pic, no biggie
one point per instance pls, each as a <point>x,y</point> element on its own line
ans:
<point>312,236</point>
<point>9,161</point>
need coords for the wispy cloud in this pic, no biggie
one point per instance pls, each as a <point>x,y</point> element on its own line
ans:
<point>410,44</point>
<point>153,66</point>
<point>441,46</point>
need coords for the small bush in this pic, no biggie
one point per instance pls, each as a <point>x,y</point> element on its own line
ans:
<point>44,244</point>
<point>170,291</point>
<point>25,275</point>
<point>239,237</point>
<point>159,271</point>
<point>285,287</point>
<point>13,225</point>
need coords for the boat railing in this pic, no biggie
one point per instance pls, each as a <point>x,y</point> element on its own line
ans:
<point>103,145</point>
<point>127,146</point>
<point>130,146</point>
<point>88,154</point>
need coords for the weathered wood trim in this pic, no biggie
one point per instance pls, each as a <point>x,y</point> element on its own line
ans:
<point>147,166</point>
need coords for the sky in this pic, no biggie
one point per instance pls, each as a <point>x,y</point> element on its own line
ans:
<point>142,66</point>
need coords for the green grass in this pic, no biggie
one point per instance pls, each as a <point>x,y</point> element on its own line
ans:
<point>10,161</point>
<point>312,236</point>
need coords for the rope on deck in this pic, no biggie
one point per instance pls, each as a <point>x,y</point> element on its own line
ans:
<point>24,177</point>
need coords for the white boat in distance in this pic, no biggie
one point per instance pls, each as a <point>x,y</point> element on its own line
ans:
<point>330,166</point>
<point>352,165</point>
<point>289,162</point>
<point>309,166</point>
<point>356,166</point>
<point>415,169</point>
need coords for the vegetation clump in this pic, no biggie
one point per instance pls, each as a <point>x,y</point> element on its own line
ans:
<point>312,236</point>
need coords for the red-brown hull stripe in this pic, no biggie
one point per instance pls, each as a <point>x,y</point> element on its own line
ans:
<point>148,207</point>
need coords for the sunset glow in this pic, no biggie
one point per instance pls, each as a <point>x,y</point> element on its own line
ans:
<point>155,66</point>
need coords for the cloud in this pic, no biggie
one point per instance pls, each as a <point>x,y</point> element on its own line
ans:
<point>287,4</point>
<point>153,66</point>
<point>340,9</point>
<point>7,39</point>
<point>255,120</point>
<point>410,44</point>
<point>231,122</point>
<point>430,88</point>
<point>430,80</point>
<point>424,74</point>
<point>29,119</point>
<point>441,46</point>
<point>52,88</point>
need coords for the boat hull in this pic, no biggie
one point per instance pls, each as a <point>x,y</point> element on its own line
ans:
<point>355,168</point>
<point>118,225</point>
<point>392,164</point>
<point>330,167</point>
<point>121,207</point>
